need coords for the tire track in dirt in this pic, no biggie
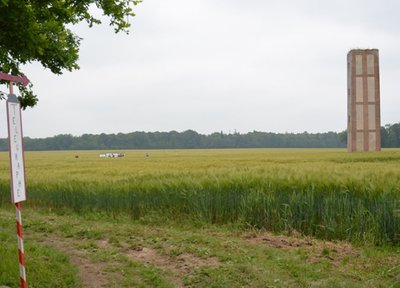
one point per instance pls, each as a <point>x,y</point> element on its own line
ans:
<point>177,267</point>
<point>92,274</point>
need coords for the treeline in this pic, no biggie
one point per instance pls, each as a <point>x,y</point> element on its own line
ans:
<point>185,140</point>
<point>390,136</point>
<point>192,140</point>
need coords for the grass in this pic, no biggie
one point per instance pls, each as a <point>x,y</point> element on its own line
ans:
<point>114,248</point>
<point>47,267</point>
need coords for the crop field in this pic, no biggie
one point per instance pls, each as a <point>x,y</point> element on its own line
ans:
<point>325,194</point>
<point>329,194</point>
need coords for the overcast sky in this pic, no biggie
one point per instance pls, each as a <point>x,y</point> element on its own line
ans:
<point>219,65</point>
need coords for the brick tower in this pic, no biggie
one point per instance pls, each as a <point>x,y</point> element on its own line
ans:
<point>363,94</point>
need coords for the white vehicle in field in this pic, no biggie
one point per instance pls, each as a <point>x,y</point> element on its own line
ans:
<point>111,155</point>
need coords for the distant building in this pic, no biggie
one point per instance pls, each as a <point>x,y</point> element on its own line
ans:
<point>363,94</point>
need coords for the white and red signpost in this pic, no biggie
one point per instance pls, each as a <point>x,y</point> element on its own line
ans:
<point>17,163</point>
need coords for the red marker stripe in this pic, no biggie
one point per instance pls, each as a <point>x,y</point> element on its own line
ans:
<point>13,78</point>
<point>22,272</point>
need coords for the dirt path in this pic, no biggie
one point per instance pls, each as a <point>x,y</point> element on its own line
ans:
<point>95,274</point>
<point>91,273</point>
<point>176,267</point>
<point>94,271</point>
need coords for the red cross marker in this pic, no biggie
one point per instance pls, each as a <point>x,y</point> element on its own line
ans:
<point>12,78</point>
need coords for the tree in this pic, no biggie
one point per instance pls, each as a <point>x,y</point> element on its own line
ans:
<point>394,135</point>
<point>37,30</point>
<point>343,136</point>
<point>385,136</point>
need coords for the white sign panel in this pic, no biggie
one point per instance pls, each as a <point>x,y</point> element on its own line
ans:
<point>16,150</point>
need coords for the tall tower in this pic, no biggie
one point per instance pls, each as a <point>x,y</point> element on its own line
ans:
<point>363,94</point>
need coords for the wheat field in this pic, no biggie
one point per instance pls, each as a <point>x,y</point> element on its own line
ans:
<point>325,193</point>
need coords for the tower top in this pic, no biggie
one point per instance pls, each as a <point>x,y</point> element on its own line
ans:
<point>368,51</point>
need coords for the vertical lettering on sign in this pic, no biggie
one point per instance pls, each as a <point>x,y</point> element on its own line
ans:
<point>17,167</point>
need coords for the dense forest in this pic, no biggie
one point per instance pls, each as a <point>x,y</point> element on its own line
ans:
<point>192,140</point>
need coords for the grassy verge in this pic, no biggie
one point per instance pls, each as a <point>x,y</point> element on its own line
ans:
<point>46,266</point>
<point>121,252</point>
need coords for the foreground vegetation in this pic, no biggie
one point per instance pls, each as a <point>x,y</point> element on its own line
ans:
<point>70,250</point>
<point>328,194</point>
<point>203,218</point>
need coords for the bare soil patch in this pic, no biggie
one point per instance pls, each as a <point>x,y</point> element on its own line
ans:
<point>279,241</point>
<point>92,274</point>
<point>333,251</point>
<point>178,266</point>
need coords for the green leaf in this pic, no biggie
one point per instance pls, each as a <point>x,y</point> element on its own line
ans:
<point>37,31</point>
